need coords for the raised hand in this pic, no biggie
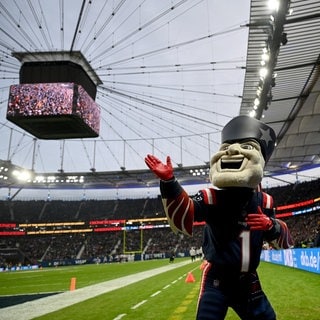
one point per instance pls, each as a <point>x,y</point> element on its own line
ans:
<point>161,170</point>
<point>259,221</point>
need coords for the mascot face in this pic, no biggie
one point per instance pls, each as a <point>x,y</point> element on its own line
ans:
<point>237,164</point>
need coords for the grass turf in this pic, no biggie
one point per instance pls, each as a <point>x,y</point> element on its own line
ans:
<point>293,293</point>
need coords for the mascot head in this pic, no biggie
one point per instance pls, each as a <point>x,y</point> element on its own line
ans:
<point>246,146</point>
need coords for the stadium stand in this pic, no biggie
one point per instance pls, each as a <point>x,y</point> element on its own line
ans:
<point>154,242</point>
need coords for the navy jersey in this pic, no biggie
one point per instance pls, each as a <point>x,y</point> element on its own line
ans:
<point>228,243</point>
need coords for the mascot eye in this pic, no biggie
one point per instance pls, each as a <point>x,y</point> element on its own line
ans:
<point>247,146</point>
<point>251,145</point>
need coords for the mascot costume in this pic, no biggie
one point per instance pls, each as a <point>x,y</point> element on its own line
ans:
<point>238,217</point>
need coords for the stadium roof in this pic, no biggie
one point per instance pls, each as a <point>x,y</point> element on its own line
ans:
<point>173,74</point>
<point>294,107</point>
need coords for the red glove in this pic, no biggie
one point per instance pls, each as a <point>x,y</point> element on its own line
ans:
<point>163,171</point>
<point>259,221</point>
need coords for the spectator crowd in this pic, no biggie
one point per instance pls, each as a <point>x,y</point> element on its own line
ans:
<point>111,246</point>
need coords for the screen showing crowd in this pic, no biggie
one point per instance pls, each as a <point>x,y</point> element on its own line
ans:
<point>53,99</point>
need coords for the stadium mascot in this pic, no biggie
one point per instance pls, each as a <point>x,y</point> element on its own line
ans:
<point>238,217</point>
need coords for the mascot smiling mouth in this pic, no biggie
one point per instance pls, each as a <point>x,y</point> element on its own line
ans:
<point>234,163</point>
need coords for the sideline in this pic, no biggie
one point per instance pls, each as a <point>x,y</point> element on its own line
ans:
<point>42,306</point>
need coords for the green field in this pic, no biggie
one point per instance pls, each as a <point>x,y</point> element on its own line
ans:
<point>294,294</point>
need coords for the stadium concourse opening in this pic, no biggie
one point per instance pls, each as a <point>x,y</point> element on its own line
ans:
<point>56,96</point>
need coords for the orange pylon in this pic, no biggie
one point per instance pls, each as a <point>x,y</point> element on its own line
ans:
<point>190,277</point>
<point>73,284</point>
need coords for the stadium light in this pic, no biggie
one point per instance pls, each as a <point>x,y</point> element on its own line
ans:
<point>22,175</point>
<point>13,173</point>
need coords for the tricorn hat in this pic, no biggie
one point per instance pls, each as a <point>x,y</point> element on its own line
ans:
<point>245,127</point>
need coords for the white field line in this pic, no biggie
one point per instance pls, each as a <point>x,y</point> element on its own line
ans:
<point>156,293</point>
<point>138,304</point>
<point>120,316</point>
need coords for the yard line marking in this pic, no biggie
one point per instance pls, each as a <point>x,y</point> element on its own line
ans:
<point>167,286</point>
<point>181,310</point>
<point>139,304</point>
<point>156,293</point>
<point>120,316</point>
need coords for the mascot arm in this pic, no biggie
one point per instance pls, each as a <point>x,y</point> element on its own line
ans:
<point>279,235</point>
<point>283,240</point>
<point>276,230</point>
<point>178,206</point>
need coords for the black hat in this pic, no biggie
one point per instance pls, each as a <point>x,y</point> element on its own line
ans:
<point>245,127</point>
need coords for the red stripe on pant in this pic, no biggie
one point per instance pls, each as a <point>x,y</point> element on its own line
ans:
<point>205,272</point>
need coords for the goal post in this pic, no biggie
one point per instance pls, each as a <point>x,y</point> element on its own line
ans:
<point>130,243</point>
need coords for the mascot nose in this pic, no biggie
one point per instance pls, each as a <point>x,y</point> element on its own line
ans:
<point>234,149</point>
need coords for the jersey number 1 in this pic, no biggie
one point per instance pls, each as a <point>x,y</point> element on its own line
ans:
<point>245,250</point>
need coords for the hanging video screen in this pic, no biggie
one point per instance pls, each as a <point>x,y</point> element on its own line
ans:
<point>40,99</point>
<point>87,109</point>
<point>54,110</point>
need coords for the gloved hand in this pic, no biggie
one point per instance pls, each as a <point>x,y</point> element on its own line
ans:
<point>259,221</point>
<point>163,171</point>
